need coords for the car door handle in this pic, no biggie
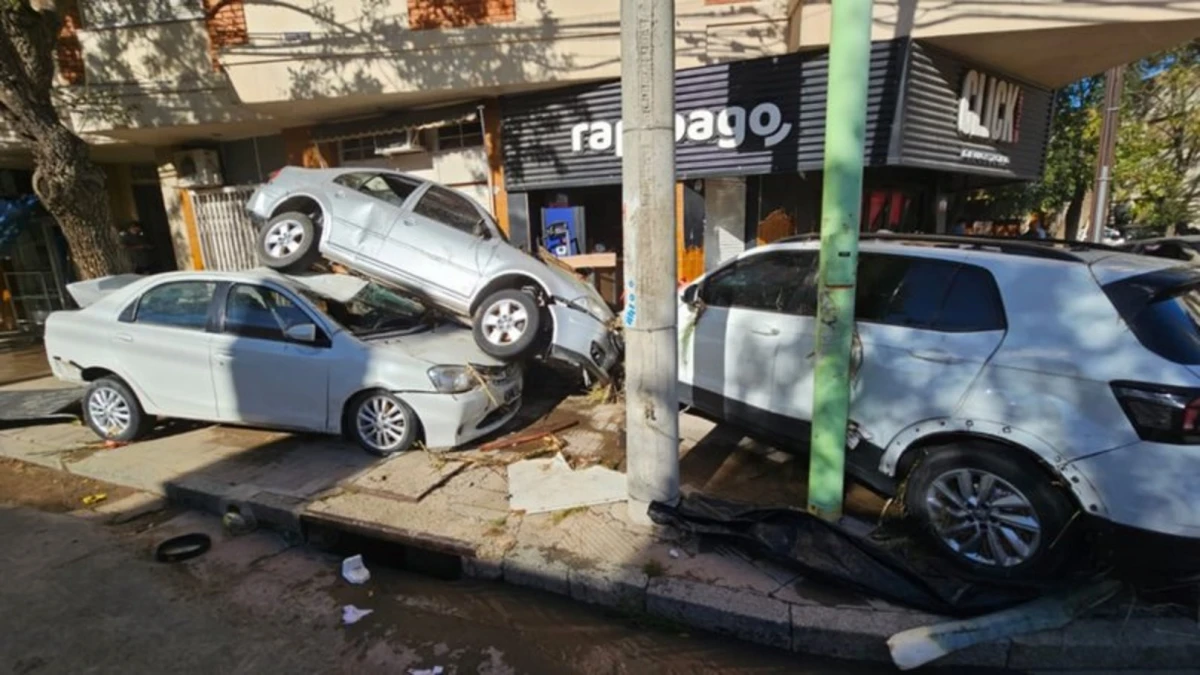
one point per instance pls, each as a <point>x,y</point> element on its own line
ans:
<point>123,337</point>
<point>769,332</point>
<point>935,355</point>
<point>222,358</point>
<point>406,221</point>
<point>339,193</point>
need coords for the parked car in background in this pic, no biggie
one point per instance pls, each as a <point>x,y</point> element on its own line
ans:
<point>420,236</point>
<point>328,353</point>
<point>1185,247</point>
<point>1023,392</point>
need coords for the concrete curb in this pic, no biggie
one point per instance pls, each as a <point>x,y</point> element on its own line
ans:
<point>858,634</point>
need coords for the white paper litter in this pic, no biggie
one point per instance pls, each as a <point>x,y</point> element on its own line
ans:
<point>544,485</point>
<point>436,670</point>
<point>352,614</point>
<point>354,571</point>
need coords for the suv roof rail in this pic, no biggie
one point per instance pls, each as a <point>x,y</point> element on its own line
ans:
<point>1057,249</point>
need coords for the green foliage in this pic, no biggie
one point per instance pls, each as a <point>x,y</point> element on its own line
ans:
<point>1157,170</point>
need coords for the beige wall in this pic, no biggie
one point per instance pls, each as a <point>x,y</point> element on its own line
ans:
<point>373,52</point>
<point>465,169</point>
<point>174,52</point>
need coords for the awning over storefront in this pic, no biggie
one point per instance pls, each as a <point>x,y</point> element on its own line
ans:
<point>396,122</point>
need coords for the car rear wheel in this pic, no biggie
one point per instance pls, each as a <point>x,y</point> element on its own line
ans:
<point>992,510</point>
<point>112,410</point>
<point>507,324</point>
<point>382,424</point>
<point>288,242</point>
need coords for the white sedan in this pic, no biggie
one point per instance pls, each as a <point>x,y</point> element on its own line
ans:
<point>330,353</point>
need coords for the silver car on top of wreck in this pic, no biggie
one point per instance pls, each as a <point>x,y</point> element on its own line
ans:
<point>433,241</point>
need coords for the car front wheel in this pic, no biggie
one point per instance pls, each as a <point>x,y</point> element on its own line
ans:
<point>288,242</point>
<point>112,410</point>
<point>992,510</point>
<point>507,324</point>
<point>381,423</point>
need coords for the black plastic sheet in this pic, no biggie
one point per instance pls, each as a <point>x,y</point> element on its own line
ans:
<point>826,553</point>
<point>38,405</point>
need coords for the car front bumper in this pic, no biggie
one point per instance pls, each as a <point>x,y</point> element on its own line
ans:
<point>584,341</point>
<point>450,420</point>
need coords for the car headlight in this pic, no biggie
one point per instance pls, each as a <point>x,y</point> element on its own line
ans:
<point>452,379</point>
<point>593,306</point>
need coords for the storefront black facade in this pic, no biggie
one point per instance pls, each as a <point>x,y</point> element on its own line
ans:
<point>936,126</point>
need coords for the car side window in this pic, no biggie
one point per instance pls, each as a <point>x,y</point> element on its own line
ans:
<point>180,304</point>
<point>450,209</point>
<point>972,304</point>
<point>386,188</point>
<point>803,300</point>
<point>764,282</point>
<point>901,291</point>
<point>260,312</point>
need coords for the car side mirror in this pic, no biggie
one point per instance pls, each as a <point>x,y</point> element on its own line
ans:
<point>482,231</point>
<point>301,332</point>
<point>691,293</point>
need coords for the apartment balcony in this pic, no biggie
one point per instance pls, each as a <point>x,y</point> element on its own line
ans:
<point>1046,42</point>
<point>339,56</point>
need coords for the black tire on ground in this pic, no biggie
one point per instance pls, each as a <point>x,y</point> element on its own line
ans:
<point>1052,508</point>
<point>113,412</point>
<point>288,242</point>
<point>507,324</point>
<point>381,423</point>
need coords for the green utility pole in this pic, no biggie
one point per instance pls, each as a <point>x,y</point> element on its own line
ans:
<point>845,128</point>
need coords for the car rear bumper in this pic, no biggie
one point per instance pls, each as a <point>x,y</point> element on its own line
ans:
<point>584,341</point>
<point>450,420</point>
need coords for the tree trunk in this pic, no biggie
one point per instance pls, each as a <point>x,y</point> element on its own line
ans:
<point>66,181</point>
<point>1074,210</point>
<point>73,190</point>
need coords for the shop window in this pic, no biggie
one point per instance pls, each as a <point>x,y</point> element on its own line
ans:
<point>368,147</point>
<point>449,209</point>
<point>425,14</point>
<point>181,304</point>
<point>69,51</point>
<point>461,135</point>
<point>763,282</point>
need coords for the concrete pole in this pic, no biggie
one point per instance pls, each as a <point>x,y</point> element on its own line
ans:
<point>841,206</point>
<point>1114,82</point>
<point>648,195</point>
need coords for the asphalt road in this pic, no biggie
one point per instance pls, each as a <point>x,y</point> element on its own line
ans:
<point>82,597</point>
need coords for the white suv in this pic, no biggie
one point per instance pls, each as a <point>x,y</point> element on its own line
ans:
<point>1025,392</point>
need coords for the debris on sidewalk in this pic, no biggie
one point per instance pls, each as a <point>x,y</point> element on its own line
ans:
<point>237,523</point>
<point>39,405</point>
<point>829,553</point>
<point>543,485</point>
<point>527,436</point>
<point>918,646</point>
<point>352,615</point>
<point>92,499</point>
<point>354,571</point>
<point>436,670</point>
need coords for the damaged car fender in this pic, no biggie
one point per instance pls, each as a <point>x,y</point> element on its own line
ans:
<point>901,450</point>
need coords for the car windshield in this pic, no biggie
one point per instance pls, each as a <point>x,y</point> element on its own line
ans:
<point>372,310</point>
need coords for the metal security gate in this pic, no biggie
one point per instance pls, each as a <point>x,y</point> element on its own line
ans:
<point>224,228</point>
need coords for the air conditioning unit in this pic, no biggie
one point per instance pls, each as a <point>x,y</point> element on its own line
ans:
<point>197,168</point>
<point>410,144</point>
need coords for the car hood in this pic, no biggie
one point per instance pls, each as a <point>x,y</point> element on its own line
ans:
<point>444,344</point>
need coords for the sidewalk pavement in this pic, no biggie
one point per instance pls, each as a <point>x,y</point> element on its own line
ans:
<point>457,503</point>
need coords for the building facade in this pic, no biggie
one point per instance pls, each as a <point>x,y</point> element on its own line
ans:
<point>190,103</point>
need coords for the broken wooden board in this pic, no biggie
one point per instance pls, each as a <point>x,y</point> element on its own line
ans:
<point>528,436</point>
<point>544,485</point>
<point>407,477</point>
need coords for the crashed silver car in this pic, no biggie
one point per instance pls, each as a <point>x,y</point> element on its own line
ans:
<point>439,244</point>
<point>325,353</point>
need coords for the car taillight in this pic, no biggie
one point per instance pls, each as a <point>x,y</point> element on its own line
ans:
<point>1161,414</point>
